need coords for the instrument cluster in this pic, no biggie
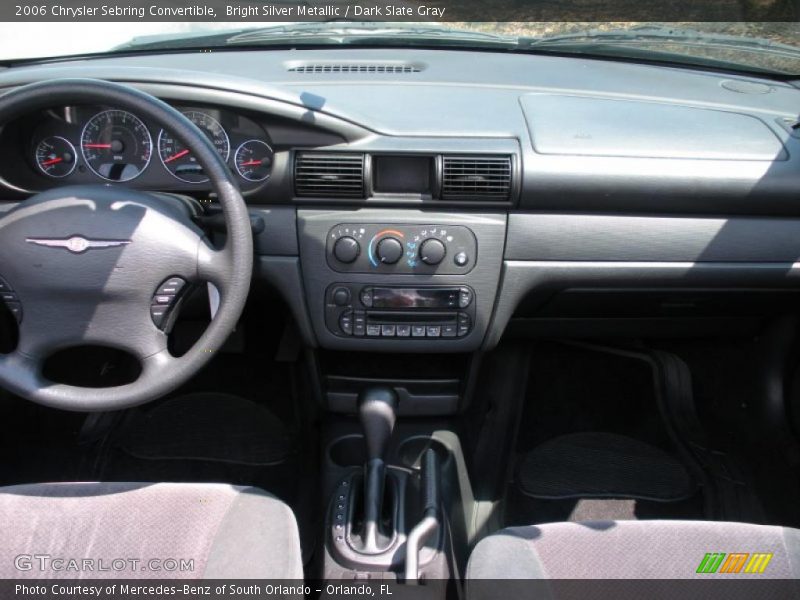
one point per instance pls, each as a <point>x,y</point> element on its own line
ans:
<point>85,144</point>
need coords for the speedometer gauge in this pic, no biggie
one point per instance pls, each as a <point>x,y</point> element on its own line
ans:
<point>55,156</point>
<point>116,145</point>
<point>177,158</point>
<point>254,160</point>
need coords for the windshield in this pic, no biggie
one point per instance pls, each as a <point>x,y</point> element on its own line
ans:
<point>771,47</point>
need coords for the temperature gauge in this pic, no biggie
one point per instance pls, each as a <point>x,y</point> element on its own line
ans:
<point>254,160</point>
<point>55,156</point>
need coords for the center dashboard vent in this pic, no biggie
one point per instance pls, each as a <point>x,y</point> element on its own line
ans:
<point>329,175</point>
<point>359,67</point>
<point>476,178</point>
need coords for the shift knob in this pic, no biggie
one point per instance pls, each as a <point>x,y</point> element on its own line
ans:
<point>376,410</point>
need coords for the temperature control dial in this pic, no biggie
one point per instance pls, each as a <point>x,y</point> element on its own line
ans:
<point>346,249</point>
<point>432,251</point>
<point>389,250</point>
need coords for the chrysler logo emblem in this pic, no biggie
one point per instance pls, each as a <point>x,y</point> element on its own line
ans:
<point>76,244</point>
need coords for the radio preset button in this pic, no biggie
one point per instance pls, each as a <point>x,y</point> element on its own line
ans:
<point>359,323</point>
<point>434,330</point>
<point>387,330</point>
<point>373,330</point>
<point>463,324</point>
<point>418,331</point>
<point>346,322</point>
<point>403,330</point>
<point>449,330</point>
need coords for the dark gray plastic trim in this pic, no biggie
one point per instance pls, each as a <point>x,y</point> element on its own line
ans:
<point>586,237</point>
<point>545,278</point>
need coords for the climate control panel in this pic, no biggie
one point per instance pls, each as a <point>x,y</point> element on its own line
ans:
<point>429,312</point>
<point>403,249</point>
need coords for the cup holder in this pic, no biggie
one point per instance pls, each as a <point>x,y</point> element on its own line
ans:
<point>348,451</point>
<point>412,450</point>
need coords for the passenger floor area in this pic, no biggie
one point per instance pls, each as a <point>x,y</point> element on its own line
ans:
<point>592,444</point>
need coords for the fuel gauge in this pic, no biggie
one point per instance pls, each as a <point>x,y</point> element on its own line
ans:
<point>254,160</point>
<point>55,156</point>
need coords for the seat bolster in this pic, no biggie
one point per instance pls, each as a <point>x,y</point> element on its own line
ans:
<point>257,539</point>
<point>508,556</point>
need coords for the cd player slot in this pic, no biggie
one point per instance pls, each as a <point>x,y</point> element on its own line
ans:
<point>410,317</point>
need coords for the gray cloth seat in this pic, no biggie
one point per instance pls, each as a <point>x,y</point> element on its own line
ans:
<point>146,530</point>
<point>633,550</point>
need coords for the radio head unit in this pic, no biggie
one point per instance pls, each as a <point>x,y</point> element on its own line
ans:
<point>378,311</point>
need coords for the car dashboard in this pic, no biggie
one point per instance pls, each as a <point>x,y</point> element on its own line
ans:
<point>437,200</point>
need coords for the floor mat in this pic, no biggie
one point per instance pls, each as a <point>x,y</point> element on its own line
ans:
<point>212,427</point>
<point>603,465</point>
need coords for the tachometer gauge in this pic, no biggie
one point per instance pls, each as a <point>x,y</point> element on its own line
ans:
<point>254,160</point>
<point>55,156</point>
<point>116,145</point>
<point>176,157</point>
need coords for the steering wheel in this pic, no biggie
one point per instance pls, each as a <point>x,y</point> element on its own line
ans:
<point>85,262</point>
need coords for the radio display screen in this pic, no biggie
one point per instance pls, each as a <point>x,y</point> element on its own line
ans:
<point>414,298</point>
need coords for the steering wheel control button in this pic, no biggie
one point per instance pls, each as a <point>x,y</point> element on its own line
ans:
<point>432,251</point>
<point>164,300</point>
<point>389,250</point>
<point>158,314</point>
<point>461,259</point>
<point>341,296</point>
<point>346,249</point>
<point>15,308</point>
<point>171,287</point>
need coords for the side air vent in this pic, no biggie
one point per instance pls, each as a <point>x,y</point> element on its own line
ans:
<point>329,175</point>
<point>390,67</point>
<point>476,178</point>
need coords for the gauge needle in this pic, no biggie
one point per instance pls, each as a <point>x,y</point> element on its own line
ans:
<point>250,163</point>
<point>52,161</point>
<point>176,156</point>
<point>97,145</point>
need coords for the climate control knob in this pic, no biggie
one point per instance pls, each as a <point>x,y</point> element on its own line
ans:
<point>346,249</point>
<point>432,251</point>
<point>389,250</point>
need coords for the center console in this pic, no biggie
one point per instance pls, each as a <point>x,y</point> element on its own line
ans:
<point>400,280</point>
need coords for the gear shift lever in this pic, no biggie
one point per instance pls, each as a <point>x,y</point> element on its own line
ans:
<point>376,410</point>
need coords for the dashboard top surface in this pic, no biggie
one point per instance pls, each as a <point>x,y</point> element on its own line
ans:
<point>454,99</point>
